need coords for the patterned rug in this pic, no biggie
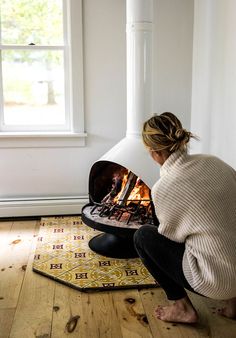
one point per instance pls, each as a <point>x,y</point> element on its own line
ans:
<point>63,254</point>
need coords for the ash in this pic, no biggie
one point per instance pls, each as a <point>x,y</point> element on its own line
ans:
<point>131,214</point>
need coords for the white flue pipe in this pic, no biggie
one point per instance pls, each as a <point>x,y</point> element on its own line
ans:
<point>139,64</point>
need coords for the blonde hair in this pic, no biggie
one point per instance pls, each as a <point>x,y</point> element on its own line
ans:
<point>165,133</point>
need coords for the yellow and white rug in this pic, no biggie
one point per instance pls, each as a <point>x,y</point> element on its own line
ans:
<point>63,254</point>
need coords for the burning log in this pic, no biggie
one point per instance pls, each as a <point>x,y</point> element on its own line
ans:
<point>128,201</point>
<point>129,185</point>
<point>115,189</point>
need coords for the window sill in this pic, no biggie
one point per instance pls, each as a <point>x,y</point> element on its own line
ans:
<point>41,139</point>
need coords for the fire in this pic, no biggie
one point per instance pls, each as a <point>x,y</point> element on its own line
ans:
<point>124,182</point>
<point>140,191</point>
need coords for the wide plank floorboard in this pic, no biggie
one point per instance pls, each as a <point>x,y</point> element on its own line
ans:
<point>34,306</point>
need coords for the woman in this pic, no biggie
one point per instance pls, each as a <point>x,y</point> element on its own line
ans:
<point>194,246</point>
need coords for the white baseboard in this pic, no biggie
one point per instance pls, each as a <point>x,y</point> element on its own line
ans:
<point>42,206</point>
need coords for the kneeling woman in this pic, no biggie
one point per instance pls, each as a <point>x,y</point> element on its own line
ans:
<point>194,246</point>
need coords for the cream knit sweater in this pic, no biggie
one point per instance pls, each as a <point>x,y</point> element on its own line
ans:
<point>195,202</point>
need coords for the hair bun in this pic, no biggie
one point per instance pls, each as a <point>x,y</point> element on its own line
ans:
<point>180,134</point>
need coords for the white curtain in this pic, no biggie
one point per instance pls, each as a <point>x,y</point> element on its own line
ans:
<point>213,115</point>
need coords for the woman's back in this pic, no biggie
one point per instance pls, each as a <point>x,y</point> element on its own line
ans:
<point>195,201</point>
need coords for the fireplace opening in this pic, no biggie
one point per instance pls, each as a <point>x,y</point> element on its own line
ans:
<point>120,202</point>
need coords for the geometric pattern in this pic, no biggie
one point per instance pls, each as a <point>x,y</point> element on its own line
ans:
<point>63,254</point>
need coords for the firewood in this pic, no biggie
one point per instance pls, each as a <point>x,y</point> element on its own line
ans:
<point>130,184</point>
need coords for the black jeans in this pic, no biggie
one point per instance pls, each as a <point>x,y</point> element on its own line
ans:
<point>163,259</point>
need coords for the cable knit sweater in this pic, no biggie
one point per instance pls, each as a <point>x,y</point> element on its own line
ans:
<point>195,202</point>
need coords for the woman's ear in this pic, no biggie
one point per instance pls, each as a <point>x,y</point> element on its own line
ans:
<point>155,155</point>
<point>158,156</point>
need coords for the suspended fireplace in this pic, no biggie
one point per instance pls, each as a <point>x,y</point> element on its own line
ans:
<point>120,181</point>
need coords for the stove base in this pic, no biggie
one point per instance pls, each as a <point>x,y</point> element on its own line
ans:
<point>113,246</point>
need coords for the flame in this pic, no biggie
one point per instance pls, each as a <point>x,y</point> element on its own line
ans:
<point>140,191</point>
<point>124,181</point>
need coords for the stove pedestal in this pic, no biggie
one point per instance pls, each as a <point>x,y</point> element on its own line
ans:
<point>114,246</point>
<point>115,241</point>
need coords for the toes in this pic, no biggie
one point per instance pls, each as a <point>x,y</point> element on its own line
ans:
<point>158,315</point>
<point>159,312</point>
<point>158,308</point>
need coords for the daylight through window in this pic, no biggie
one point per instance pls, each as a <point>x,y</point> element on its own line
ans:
<point>34,85</point>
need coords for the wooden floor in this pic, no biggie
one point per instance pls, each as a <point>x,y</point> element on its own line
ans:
<point>35,306</point>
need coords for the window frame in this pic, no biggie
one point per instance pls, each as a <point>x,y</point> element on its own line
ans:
<point>74,91</point>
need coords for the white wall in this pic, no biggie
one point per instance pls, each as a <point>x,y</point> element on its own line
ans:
<point>173,34</point>
<point>214,79</point>
<point>51,172</point>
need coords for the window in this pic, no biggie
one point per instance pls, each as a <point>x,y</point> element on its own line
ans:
<point>41,85</point>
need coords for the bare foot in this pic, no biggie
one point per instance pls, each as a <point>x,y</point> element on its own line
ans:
<point>229,310</point>
<point>181,311</point>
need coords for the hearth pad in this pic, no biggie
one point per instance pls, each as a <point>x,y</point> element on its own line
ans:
<point>63,254</point>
